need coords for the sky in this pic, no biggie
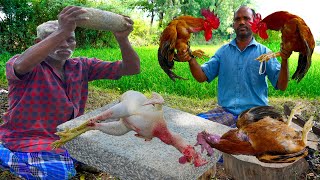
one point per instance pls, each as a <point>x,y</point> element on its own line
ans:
<point>306,9</point>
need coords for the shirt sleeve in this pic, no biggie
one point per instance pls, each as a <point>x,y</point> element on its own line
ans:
<point>10,74</point>
<point>211,67</point>
<point>99,69</point>
<point>273,71</point>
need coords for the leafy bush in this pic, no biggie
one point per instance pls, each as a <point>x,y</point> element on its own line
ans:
<point>21,17</point>
<point>143,35</point>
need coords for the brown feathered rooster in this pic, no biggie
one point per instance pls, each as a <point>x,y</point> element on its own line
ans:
<point>296,36</point>
<point>175,37</point>
<point>136,113</point>
<point>263,133</point>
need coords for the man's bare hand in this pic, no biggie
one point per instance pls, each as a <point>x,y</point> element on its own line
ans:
<point>125,33</point>
<point>285,54</point>
<point>184,56</point>
<point>69,17</point>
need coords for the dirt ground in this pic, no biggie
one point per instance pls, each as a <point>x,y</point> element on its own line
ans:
<point>220,174</point>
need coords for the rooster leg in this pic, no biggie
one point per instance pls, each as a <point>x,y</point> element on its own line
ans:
<point>296,110</point>
<point>184,55</point>
<point>306,128</point>
<point>204,139</point>
<point>116,128</point>
<point>69,134</point>
<point>268,56</point>
<point>117,111</point>
<point>199,53</point>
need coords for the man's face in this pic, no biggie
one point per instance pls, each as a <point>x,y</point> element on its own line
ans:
<point>65,49</point>
<point>241,22</point>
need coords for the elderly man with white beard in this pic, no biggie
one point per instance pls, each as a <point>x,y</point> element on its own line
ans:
<point>47,88</point>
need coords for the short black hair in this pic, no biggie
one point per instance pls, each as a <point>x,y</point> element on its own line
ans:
<point>253,11</point>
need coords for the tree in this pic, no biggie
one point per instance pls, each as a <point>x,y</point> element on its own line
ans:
<point>19,19</point>
<point>166,10</point>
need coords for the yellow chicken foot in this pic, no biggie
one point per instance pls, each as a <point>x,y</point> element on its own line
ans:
<point>69,134</point>
<point>266,57</point>
<point>306,128</point>
<point>199,53</point>
<point>187,55</point>
<point>296,110</point>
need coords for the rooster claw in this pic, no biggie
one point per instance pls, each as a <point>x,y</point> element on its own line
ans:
<point>203,138</point>
<point>190,155</point>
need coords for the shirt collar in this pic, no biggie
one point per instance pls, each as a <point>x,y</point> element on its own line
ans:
<point>252,42</point>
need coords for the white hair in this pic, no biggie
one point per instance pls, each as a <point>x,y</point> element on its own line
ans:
<point>44,29</point>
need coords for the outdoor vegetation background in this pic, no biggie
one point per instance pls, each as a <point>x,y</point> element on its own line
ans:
<point>19,18</point>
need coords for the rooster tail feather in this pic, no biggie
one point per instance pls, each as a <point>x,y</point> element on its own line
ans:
<point>167,65</point>
<point>304,62</point>
<point>259,112</point>
<point>304,57</point>
<point>285,158</point>
<point>164,54</point>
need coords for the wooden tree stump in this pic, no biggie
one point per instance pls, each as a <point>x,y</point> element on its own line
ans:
<point>242,167</point>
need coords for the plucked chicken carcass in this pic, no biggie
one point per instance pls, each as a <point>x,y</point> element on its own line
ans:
<point>261,132</point>
<point>296,36</point>
<point>175,37</point>
<point>144,116</point>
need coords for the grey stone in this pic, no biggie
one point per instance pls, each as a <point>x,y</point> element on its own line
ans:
<point>129,157</point>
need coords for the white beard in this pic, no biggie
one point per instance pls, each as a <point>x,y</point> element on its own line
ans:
<point>55,55</point>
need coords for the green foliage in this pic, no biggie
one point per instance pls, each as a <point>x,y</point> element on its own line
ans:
<point>153,78</point>
<point>4,57</point>
<point>18,27</point>
<point>166,10</point>
<point>273,42</point>
<point>143,35</point>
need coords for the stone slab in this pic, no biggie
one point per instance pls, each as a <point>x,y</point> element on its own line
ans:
<point>129,157</point>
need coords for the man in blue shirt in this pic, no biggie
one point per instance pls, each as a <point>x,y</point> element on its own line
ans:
<point>241,84</point>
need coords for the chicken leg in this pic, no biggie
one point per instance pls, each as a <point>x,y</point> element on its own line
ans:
<point>306,129</point>
<point>135,113</point>
<point>123,109</point>
<point>290,157</point>
<point>266,57</point>
<point>297,109</point>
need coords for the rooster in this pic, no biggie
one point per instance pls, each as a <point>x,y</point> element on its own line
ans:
<point>296,36</point>
<point>144,116</point>
<point>262,132</point>
<point>174,40</point>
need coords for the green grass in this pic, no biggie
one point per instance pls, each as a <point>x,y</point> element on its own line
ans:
<point>153,78</point>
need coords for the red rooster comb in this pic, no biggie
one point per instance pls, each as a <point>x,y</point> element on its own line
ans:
<point>211,22</point>
<point>259,27</point>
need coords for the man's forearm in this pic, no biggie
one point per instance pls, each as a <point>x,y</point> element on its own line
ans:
<point>37,53</point>
<point>196,71</point>
<point>283,76</point>
<point>130,59</point>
